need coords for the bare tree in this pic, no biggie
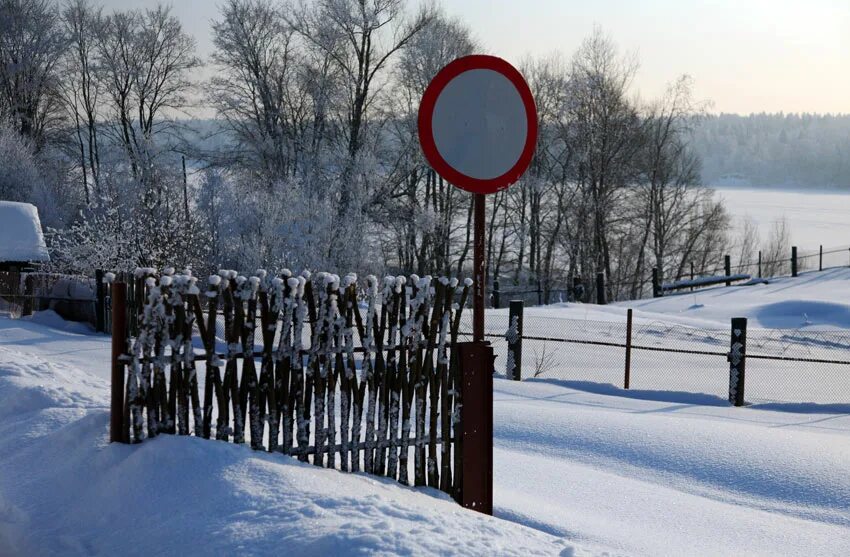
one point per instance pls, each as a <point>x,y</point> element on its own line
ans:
<point>31,44</point>
<point>80,87</point>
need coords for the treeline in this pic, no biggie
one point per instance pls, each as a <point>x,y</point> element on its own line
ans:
<point>785,150</point>
<point>317,162</point>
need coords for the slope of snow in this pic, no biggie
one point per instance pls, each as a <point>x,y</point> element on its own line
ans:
<point>815,300</point>
<point>21,238</point>
<point>671,476</point>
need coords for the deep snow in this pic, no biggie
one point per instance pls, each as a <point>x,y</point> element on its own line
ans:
<point>578,464</point>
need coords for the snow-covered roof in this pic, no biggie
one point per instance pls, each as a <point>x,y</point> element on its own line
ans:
<point>21,238</point>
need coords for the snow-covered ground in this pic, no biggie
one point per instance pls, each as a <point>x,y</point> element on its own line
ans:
<point>580,466</point>
<point>815,217</point>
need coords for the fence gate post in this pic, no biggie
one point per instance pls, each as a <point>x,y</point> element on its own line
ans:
<point>727,268</point>
<point>656,288</point>
<point>514,360</point>
<point>496,294</point>
<point>628,349</point>
<point>99,311</point>
<point>600,289</point>
<point>117,428</point>
<point>476,419</point>
<point>793,261</point>
<point>737,360</point>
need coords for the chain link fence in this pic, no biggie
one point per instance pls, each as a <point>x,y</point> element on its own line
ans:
<point>783,365</point>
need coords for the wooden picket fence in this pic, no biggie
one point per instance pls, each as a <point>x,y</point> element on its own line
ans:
<point>342,375</point>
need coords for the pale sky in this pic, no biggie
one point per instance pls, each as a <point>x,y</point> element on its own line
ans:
<point>744,56</point>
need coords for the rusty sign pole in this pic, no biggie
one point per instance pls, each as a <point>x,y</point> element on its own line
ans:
<point>480,271</point>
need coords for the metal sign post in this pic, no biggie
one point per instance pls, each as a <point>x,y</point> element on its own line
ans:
<point>478,130</point>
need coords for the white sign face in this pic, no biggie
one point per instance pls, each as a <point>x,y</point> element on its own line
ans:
<point>479,124</point>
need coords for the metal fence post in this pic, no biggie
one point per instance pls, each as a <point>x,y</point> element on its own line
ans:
<point>760,264</point>
<point>600,289</point>
<point>820,259</point>
<point>737,360</point>
<point>514,360</point>
<point>793,261</point>
<point>656,288</point>
<point>496,294</point>
<point>628,349</point>
<point>99,310</point>
<point>117,428</point>
<point>727,268</point>
<point>476,420</point>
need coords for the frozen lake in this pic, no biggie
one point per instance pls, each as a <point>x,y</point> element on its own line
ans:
<point>814,217</point>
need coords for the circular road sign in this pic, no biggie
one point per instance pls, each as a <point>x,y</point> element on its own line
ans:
<point>478,124</point>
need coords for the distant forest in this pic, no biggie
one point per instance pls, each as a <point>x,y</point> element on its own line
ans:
<point>786,150</point>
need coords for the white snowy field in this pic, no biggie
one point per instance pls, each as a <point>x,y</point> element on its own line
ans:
<point>814,217</point>
<point>580,466</point>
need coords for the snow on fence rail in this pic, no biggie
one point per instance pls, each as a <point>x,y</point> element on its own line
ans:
<point>306,390</point>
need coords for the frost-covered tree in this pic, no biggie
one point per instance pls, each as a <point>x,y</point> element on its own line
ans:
<point>31,44</point>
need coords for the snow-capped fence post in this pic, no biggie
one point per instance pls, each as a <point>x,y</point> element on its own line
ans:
<point>600,289</point>
<point>737,360</point>
<point>793,261</point>
<point>476,418</point>
<point>496,294</point>
<point>656,286</point>
<point>117,430</point>
<point>100,289</point>
<point>727,268</point>
<point>513,362</point>
<point>628,349</point>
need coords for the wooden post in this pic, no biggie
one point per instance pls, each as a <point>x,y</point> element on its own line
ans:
<point>737,360</point>
<point>692,274</point>
<point>99,324</point>
<point>117,428</point>
<point>656,288</point>
<point>727,268</point>
<point>760,264</point>
<point>496,294</point>
<point>514,359</point>
<point>476,366</point>
<point>793,261</point>
<point>820,259</point>
<point>600,289</point>
<point>628,348</point>
<point>29,295</point>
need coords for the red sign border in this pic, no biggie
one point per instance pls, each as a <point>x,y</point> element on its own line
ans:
<point>426,113</point>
